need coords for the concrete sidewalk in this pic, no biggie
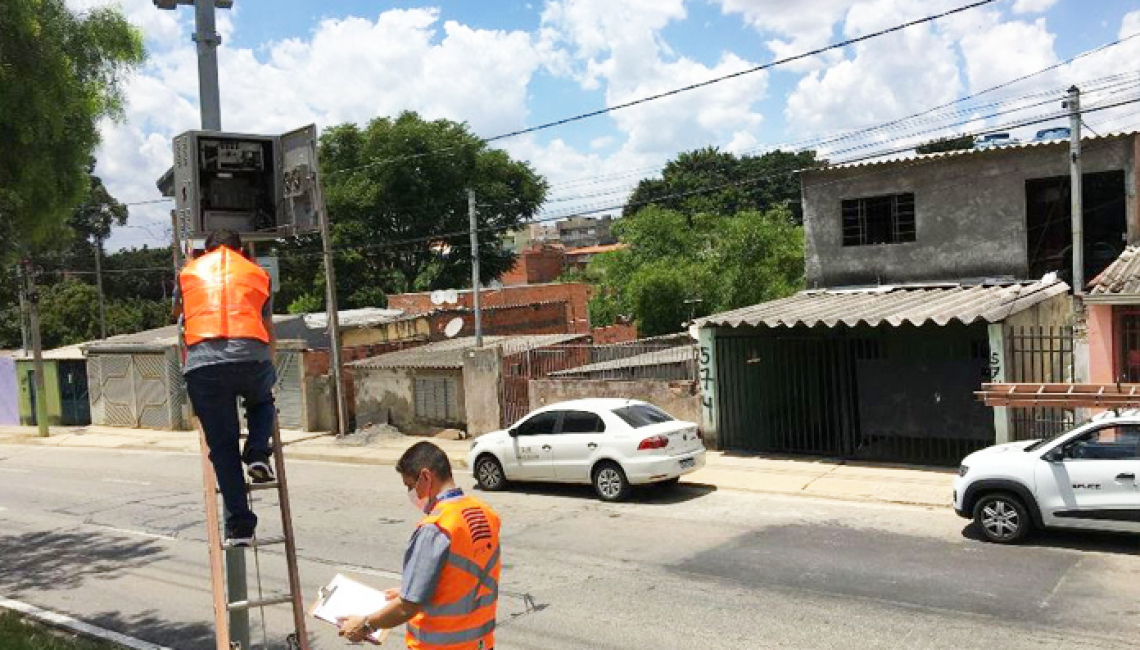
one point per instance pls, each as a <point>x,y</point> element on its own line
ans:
<point>729,471</point>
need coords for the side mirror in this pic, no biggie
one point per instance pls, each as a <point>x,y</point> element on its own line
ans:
<point>513,432</point>
<point>1054,456</point>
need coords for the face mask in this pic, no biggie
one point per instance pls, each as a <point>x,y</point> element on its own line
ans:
<point>418,502</point>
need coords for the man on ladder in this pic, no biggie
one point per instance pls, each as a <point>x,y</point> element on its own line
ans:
<point>450,588</point>
<point>226,305</point>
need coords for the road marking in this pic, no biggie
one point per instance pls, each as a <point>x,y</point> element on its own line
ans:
<point>140,533</point>
<point>125,481</point>
<point>13,470</point>
<point>85,629</point>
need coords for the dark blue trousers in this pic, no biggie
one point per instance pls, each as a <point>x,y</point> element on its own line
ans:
<point>214,391</point>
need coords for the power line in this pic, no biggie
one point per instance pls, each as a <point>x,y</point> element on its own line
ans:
<point>683,89</point>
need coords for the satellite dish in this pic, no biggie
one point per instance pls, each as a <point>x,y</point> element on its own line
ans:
<point>454,327</point>
<point>695,332</point>
<point>438,297</point>
<point>451,296</point>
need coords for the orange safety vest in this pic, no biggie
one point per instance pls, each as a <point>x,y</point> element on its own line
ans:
<point>461,613</point>
<point>222,297</point>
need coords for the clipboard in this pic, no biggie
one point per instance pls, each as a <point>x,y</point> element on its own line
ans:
<point>342,597</point>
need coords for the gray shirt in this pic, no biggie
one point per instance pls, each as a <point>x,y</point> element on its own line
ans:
<point>423,563</point>
<point>215,351</point>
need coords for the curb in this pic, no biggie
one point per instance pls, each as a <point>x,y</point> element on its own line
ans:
<point>62,621</point>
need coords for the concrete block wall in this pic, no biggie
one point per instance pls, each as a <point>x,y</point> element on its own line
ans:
<point>681,399</point>
<point>970,212</point>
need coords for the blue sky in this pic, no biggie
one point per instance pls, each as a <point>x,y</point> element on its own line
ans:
<point>506,65</point>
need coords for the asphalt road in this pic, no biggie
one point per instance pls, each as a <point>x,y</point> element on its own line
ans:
<point>117,539</point>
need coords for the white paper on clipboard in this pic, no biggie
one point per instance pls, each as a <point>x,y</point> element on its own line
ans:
<point>344,597</point>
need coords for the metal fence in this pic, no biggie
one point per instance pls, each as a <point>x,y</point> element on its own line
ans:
<point>666,360</point>
<point>1039,354</point>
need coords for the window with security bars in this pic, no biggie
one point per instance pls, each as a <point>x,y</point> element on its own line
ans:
<point>878,220</point>
<point>437,399</point>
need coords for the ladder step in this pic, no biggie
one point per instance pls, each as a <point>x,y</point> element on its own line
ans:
<point>254,604</point>
<point>268,541</point>
<point>255,487</point>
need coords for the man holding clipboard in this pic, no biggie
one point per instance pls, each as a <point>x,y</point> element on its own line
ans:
<point>450,586</point>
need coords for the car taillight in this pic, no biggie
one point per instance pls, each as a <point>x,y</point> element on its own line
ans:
<point>653,442</point>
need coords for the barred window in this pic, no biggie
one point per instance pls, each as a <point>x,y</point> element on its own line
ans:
<point>878,220</point>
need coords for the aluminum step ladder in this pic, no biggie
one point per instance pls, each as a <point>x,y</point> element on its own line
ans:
<point>223,606</point>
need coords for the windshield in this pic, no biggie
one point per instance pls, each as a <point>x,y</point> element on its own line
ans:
<point>642,415</point>
<point>1044,441</point>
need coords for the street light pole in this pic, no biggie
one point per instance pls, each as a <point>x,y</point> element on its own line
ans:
<point>209,102</point>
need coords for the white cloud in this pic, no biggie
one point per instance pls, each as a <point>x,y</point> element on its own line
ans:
<point>1032,6</point>
<point>886,78</point>
<point>801,29</point>
<point>350,69</point>
<point>1006,51</point>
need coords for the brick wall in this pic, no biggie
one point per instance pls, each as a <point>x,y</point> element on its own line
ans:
<point>536,266</point>
<point>542,318</point>
<point>620,333</point>
<point>575,295</point>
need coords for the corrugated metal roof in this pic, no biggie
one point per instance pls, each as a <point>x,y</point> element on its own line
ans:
<point>1121,278</point>
<point>449,354</point>
<point>911,156</point>
<point>364,317</point>
<point>65,353</point>
<point>682,354</point>
<point>895,305</point>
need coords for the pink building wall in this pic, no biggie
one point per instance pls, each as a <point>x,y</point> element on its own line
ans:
<point>1101,344</point>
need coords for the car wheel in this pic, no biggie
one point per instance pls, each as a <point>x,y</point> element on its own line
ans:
<point>1002,518</point>
<point>489,473</point>
<point>610,482</point>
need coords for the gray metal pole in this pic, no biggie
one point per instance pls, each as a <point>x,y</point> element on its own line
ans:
<point>207,38</point>
<point>477,302</point>
<point>38,384</point>
<point>333,325</point>
<point>1074,105</point>
<point>99,284</point>
<point>209,101</point>
<point>24,335</point>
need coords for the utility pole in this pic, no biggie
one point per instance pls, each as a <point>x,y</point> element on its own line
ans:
<point>209,101</point>
<point>475,268</point>
<point>24,340</point>
<point>39,389</point>
<point>99,283</point>
<point>333,324</point>
<point>1073,103</point>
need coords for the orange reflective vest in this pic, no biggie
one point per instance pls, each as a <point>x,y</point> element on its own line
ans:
<point>222,297</point>
<point>461,613</point>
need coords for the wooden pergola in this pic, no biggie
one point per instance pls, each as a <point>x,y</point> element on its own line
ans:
<point>1107,396</point>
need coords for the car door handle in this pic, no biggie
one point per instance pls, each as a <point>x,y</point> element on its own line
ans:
<point>593,445</point>
<point>546,447</point>
<point>1126,477</point>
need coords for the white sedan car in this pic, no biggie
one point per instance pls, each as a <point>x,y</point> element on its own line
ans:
<point>610,443</point>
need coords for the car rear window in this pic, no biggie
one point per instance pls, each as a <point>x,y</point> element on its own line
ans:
<point>642,415</point>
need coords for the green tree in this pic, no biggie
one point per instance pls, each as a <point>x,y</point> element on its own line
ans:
<point>396,192</point>
<point>948,143</point>
<point>710,180</point>
<point>679,267</point>
<point>60,73</point>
